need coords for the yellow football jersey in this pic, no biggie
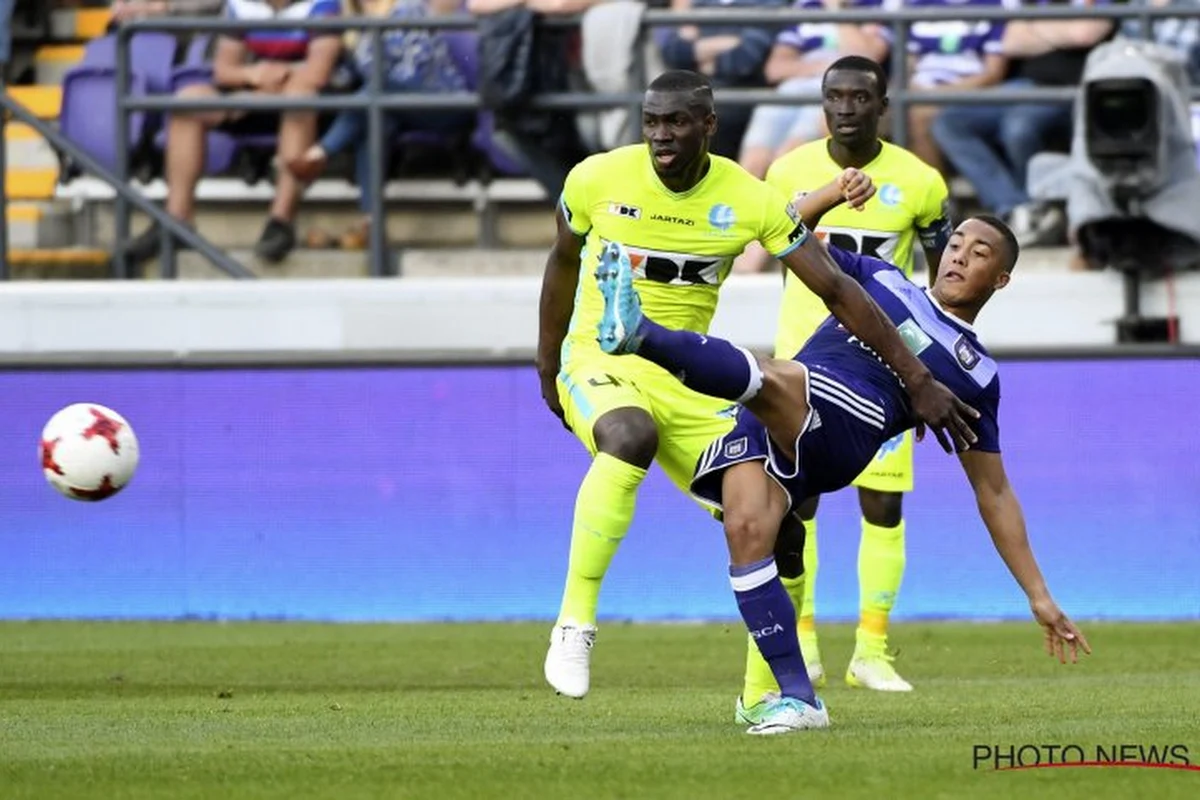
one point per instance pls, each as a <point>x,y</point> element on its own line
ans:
<point>910,201</point>
<point>681,244</point>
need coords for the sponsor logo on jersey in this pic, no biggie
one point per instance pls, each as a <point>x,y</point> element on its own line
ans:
<point>875,244</point>
<point>673,220</point>
<point>623,210</point>
<point>915,339</point>
<point>678,269</point>
<point>721,217</point>
<point>792,213</point>
<point>967,356</point>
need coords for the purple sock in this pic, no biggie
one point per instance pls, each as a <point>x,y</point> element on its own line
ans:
<point>706,364</point>
<point>771,618</point>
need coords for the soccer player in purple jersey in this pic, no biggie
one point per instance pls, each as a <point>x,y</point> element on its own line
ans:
<point>816,420</point>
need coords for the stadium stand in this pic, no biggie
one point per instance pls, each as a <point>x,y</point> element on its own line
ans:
<point>468,193</point>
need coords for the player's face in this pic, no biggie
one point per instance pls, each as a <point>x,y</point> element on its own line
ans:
<point>676,134</point>
<point>853,104</point>
<point>972,266</point>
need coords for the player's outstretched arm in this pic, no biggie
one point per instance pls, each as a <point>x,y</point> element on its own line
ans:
<point>853,186</point>
<point>1001,513</point>
<point>932,402</point>
<point>554,309</point>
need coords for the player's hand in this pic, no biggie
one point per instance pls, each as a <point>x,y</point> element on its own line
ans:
<point>1062,637</point>
<point>550,397</point>
<point>856,187</point>
<point>939,408</point>
<point>270,76</point>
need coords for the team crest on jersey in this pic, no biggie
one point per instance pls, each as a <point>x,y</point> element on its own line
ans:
<point>721,217</point>
<point>890,194</point>
<point>623,210</point>
<point>889,447</point>
<point>966,354</point>
<point>737,448</point>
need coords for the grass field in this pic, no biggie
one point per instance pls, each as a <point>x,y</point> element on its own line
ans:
<point>195,710</point>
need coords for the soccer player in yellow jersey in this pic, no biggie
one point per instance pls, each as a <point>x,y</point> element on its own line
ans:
<point>683,215</point>
<point>909,205</point>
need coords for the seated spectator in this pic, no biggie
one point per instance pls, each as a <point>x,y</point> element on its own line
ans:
<point>796,63</point>
<point>949,54</point>
<point>1179,33</point>
<point>731,55</point>
<point>289,63</point>
<point>418,61</point>
<point>991,145</point>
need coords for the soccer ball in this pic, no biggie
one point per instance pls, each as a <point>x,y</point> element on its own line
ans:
<point>88,452</point>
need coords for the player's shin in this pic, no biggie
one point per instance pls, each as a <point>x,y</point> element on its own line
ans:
<point>707,364</point>
<point>603,511</point>
<point>768,613</point>
<point>880,572</point>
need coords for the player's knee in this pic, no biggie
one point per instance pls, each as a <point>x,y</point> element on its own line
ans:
<point>628,434</point>
<point>749,534</point>
<point>808,508</point>
<point>884,509</point>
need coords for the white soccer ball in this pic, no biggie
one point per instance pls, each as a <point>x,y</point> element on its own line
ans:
<point>88,452</point>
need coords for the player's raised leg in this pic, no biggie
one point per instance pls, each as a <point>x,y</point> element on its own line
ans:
<point>706,364</point>
<point>754,507</point>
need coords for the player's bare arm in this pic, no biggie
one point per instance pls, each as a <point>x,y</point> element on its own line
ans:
<point>932,402</point>
<point>555,306</point>
<point>1001,513</point>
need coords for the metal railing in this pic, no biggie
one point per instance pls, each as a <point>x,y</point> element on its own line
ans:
<point>376,102</point>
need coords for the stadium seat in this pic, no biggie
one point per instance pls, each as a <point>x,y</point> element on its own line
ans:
<point>88,116</point>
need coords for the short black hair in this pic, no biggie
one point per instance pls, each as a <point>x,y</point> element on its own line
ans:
<point>867,66</point>
<point>1011,245</point>
<point>696,86</point>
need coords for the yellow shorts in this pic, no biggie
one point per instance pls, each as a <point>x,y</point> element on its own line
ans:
<point>591,386</point>
<point>891,470</point>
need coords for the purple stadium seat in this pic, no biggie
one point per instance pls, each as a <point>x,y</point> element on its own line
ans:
<point>464,49</point>
<point>87,117</point>
<point>151,54</point>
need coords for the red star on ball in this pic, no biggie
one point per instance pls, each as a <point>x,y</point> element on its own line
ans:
<point>106,428</point>
<point>105,489</point>
<point>48,461</point>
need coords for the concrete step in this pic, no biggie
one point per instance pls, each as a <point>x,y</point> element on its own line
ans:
<point>238,227</point>
<point>53,61</point>
<point>78,24</point>
<point>47,225</point>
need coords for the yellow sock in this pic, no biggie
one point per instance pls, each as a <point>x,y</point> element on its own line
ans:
<point>806,611</point>
<point>880,571</point>
<point>759,679</point>
<point>603,511</point>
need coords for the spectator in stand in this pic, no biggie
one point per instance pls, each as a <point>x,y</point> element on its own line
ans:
<point>1179,33</point>
<point>949,54</point>
<point>290,63</point>
<point>991,145</point>
<point>730,55</point>
<point>795,65</point>
<point>418,61</point>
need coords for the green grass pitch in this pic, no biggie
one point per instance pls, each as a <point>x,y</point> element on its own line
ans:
<point>263,710</point>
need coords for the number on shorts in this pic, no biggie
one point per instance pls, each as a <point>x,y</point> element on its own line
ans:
<point>608,380</point>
